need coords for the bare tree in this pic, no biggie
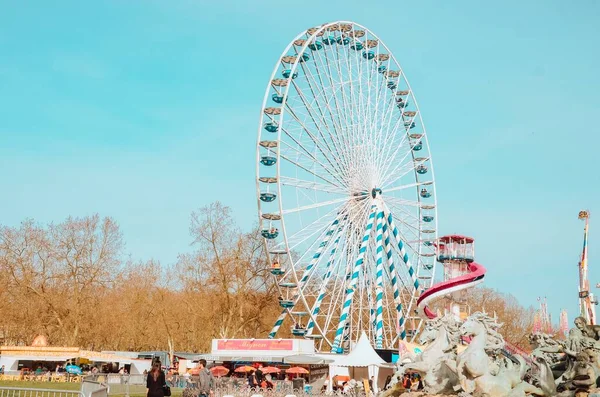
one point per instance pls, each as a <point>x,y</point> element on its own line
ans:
<point>59,270</point>
<point>231,267</point>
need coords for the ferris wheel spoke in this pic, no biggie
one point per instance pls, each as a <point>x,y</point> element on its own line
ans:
<point>336,115</point>
<point>298,165</point>
<point>357,99</point>
<point>316,94</point>
<point>324,66</point>
<point>313,138</point>
<point>402,202</point>
<point>401,170</point>
<point>307,167</point>
<point>330,268</point>
<point>408,186</point>
<point>312,112</point>
<point>348,254</point>
<point>315,205</point>
<point>325,239</point>
<point>348,103</point>
<point>340,163</point>
<point>308,160</point>
<point>375,123</point>
<point>382,137</point>
<point>392,146</point>
<point>347,98</point>
<point>310,185</point>
<point>397,157</point>
<point>311,230</point>
<point>401,167</point>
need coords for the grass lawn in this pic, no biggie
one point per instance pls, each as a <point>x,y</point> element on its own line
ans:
<point>135,391</point>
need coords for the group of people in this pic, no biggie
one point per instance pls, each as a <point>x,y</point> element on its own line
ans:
<point>257,379</point>
<point>412,382</point>
<point>156,382</point>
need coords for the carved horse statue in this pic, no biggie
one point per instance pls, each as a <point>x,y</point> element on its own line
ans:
<point>479,374</point>
<point>440,337</point>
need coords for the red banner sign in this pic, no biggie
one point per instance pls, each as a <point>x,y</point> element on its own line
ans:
<point>258,344</point>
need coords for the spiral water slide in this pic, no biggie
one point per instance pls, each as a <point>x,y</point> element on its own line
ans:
<point>471,279</point>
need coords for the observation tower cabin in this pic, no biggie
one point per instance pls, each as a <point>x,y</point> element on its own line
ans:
<point>455,252</point>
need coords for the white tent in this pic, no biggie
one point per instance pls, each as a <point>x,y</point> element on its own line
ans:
<point>362,355</point>
<point>363,362</point>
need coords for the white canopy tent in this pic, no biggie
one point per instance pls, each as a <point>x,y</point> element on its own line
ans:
<point>363,362</point>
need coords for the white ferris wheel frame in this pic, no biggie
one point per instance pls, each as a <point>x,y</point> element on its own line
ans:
<point>280,118</point>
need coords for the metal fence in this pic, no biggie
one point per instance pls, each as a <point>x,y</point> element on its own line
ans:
<point>25,392</point>
<point>104,385</point>
<point>88,389</point>
<point>277,392</point>
<point>118,384</point>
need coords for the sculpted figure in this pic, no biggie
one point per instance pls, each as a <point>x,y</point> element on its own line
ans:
<point>475,367</point>
<point>440,337</point>
<point>575,362</point>
<point>591,331</point>
<point>543,376</point>
<point>548,350</point>
<point>581,375</point>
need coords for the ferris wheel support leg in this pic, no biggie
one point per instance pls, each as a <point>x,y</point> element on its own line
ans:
<point>354,278</point>
<point>403,254</point>
<point>305,277</point>
<point>323,291</point>
<point>379,280</point>
<point>394,277</point>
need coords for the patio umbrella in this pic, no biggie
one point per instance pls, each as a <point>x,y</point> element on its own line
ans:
<point>270,370</point>
<point>341,378</point>
<point>296,371</point>
<point>244,368</point>
<point>219,371</point>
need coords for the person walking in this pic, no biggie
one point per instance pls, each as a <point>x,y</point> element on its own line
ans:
<point>259,374</point>
<point>155,382</point>
<point>206,380</point>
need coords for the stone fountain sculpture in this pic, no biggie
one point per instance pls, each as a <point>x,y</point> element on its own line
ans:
<point>564,368</point>
<point>575,362</point>
<point>480,370</point>
<point>441,337</point>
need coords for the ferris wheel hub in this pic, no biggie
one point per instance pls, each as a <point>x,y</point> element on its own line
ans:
<point>376,192</point>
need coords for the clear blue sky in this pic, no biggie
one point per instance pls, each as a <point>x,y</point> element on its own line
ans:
<point>146,110</point>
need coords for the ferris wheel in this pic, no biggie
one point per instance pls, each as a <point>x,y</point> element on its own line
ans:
<point>346,190</point>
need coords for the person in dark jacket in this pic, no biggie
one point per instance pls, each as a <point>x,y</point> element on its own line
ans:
<point>155,382</point>
<point>259,374</point>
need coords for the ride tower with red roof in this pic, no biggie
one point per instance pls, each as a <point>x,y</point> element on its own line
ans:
<point>456,253</point>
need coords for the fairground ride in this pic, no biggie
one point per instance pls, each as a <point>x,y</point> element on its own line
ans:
<point>587,301</point>
<point>346,192</point>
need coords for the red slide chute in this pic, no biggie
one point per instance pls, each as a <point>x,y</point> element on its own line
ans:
<point>474,277</point>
